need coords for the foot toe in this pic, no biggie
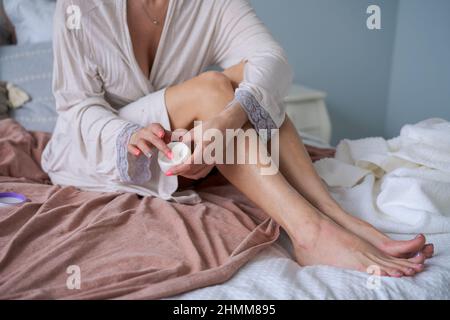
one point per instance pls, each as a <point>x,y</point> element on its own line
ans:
<point>395,273</point>
<point>409,271</point>
<point>406,267</point>
<point>428,250</point>
<point>407,264</point>
<point>419,258</point>
<point>405,247</point>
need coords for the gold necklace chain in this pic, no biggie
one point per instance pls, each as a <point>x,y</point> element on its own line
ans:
<point>155,21</point>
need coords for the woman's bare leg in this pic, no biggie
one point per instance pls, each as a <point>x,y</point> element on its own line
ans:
<point>296,166</point>
<point>316,239</point>
<point>300,173</point>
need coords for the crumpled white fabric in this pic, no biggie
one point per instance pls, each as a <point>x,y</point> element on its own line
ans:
<point>400,185</point>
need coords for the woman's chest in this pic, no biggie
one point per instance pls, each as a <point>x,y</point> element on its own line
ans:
<point>180,51</point>
<point>145,30</point>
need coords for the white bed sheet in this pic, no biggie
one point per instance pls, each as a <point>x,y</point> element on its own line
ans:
<point>274,275</point>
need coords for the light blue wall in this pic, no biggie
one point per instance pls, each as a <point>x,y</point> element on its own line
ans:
<point>330,48</point>
<point>420,86</point>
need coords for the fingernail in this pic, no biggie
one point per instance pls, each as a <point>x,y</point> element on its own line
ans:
<point>421,267</point>
<point>161,134</point>
<point>148,155</point>
<point>418,236</point>
<point>137,153</point>
<point>418,254</point>
<point>169,173</point>
<point>170,155</point>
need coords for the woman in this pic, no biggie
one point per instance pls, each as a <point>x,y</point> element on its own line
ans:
<point>130,73</point>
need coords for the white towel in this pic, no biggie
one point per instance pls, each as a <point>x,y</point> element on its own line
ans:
<point>339,174</point>
<point>401,185</point>
<point>426,143</point>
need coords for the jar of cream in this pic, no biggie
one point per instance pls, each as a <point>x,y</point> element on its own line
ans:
<point>181,153</point>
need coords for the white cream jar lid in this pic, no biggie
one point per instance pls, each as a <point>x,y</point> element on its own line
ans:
<point>181,152</point>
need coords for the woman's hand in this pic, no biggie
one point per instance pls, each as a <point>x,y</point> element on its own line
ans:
<point>233,117</point>
<point>144,140</point>
<point>190,169</point>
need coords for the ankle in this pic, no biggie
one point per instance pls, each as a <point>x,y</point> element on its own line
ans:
<point>305,230</point>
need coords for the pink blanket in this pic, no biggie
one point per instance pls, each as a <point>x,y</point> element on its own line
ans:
<point>117,245</point>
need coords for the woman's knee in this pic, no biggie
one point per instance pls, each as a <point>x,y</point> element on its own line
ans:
<point>215,85</point>
<point>199,98</point>
<point>214,92</point>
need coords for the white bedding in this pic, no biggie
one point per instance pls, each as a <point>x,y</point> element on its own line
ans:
<point>402,186</point>
<point>274,275</point>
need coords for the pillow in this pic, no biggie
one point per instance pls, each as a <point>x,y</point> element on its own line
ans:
<point>30,68</point>
<point>32,20</point>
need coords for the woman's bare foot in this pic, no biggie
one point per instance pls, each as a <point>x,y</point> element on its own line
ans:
<point>415,248</point>
<point>335,246</point>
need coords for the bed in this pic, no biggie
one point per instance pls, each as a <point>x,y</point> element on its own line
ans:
<point>236,252</point>
<point>129,247</point>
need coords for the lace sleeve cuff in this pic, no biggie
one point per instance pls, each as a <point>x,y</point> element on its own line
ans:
<point>131,169</point>
<point>257,115</point>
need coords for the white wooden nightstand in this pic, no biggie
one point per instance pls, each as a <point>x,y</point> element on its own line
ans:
<point>307,110</point>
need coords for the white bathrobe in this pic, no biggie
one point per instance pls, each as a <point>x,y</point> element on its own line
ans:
<point>102,95</point>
